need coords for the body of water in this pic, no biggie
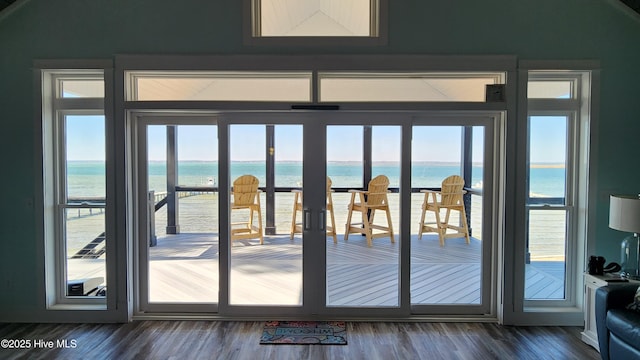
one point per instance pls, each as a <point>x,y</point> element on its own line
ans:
<point>87,178</point>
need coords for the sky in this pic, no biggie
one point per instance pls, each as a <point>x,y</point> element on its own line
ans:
<point>344,143</point>
<point>85,141</point>
<point>548,139</point>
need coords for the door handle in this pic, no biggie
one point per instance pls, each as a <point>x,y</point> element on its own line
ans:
<point>321,216</point>
<point>307,220</point>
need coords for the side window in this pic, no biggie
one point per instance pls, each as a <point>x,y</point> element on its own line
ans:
<point>82,202</point>
<point>552,183</point>
<point>75,187</point>
<point>548,209</point>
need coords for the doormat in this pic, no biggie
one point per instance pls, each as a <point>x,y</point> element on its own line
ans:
<point>304,332</point>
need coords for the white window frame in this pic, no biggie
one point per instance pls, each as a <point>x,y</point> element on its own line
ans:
<point>569,207</point>
<point>581,109</point>
<point>378,30</point>
<point>55,109</point>
<point>504,65</point>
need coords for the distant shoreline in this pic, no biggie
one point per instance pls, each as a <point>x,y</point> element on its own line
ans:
<point>547,166</point>
<point>421,163</point>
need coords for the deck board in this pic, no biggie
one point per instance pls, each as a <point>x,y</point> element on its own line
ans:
<point>357,275</point>
<point>184,267</point>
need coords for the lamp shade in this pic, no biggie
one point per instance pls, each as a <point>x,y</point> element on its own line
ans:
<point>624,213</point>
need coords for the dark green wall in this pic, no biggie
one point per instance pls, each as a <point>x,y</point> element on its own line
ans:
<point>99,29</point>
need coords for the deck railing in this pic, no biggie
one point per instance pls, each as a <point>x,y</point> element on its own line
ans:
<point>157,200</point>
<point>160,199</point>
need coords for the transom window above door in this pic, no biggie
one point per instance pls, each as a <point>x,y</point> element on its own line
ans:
<point>299,86</point>
<point>219,86</point>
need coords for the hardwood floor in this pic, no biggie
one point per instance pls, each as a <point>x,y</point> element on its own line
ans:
<point>240,340</point>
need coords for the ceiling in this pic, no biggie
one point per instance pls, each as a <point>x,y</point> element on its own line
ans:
<point>5,3</point>
<point>634,4</point>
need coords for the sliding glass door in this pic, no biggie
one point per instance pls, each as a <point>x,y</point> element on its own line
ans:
<point>177,176</point>
<point>312,213</point>
<point>363,265</point>
<point>265,258</point>
<point>452,242</point>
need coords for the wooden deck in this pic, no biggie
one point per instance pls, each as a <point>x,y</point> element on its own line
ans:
<point>184,269</point>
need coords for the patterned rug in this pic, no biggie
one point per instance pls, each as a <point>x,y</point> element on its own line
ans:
<point>304,332</point>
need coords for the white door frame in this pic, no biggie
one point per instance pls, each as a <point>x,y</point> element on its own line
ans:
<point>315,123</point>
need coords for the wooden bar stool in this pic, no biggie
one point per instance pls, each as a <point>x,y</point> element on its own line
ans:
<point>449,198</point>
<point>246,196</point>
<point>367,202</point>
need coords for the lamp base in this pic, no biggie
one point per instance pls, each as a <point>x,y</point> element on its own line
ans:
<point>630,257</point>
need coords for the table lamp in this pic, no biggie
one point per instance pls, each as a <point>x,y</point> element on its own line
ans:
<point>624,215</point>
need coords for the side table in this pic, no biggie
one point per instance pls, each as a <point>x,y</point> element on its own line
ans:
<point>591,284</point>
